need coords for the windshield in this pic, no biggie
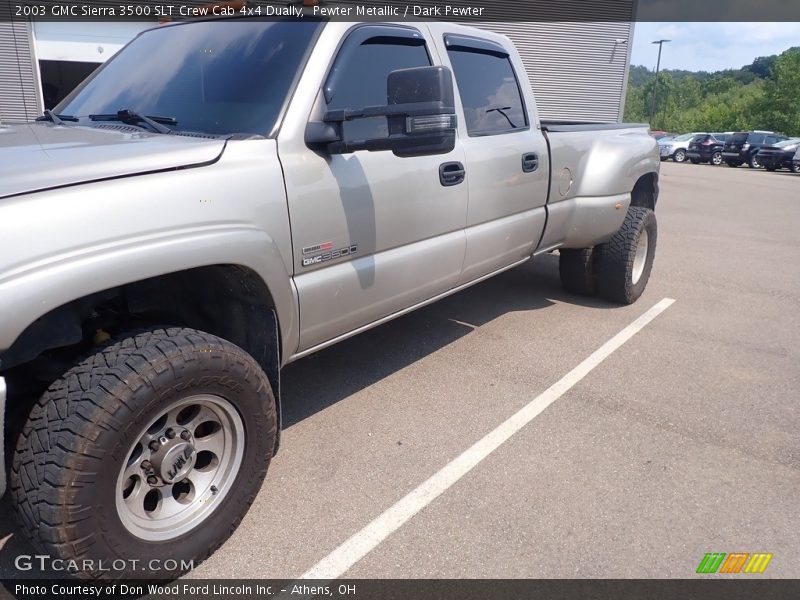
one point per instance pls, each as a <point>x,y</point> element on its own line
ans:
<point>216,77</point>
<point>683,138</point>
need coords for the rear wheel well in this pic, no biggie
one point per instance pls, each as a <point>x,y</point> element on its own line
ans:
<point>229,301</point>
<point>645,192</point>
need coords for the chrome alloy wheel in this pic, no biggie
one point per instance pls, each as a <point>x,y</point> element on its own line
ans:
<point>640,258</point>
<point>180,468</point>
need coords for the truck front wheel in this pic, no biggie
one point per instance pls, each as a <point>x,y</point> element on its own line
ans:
<point>623,264</point>
<point>146,455</point>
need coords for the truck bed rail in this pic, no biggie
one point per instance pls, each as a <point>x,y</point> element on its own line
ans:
<point>562,126</point>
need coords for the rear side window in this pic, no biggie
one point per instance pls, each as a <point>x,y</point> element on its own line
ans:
<point>361,73</point>
<point>489,92</point>
<point>756,138</point>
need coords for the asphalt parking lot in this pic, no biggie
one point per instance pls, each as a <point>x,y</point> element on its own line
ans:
<point>684,440</point>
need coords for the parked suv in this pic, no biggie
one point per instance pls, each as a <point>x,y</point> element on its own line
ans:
<point>743,146</point>
<point>675,148</point>
<point>779,156</point>
<point>706,148</point>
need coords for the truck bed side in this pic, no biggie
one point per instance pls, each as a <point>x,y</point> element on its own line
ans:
<point>593,171</point>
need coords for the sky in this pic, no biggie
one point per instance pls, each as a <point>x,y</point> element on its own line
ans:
<point>711,46</point>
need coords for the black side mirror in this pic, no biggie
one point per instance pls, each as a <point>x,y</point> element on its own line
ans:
<point>430,127</point>
<point>420,113</point>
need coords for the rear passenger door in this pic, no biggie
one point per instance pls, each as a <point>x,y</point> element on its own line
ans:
<point>507,159</point>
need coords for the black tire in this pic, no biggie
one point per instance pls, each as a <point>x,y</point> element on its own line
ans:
<point>753,162</point>
<point>716,158</point>
<point>679,156</point>
<point>614,260</point>
<point>575,266</point>
<point>795,168</point>
<point>65,469</point>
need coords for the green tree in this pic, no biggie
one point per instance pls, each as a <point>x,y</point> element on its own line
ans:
<point>780,107</point>
<point>762,66</point>
<point>763,95</point>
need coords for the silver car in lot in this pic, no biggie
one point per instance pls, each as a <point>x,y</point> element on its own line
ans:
<point>675,148</point>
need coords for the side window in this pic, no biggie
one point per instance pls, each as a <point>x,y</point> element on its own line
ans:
<point>489,91</point>
<point>757,138</point>
<point>772,139</point>
<point>361,71</point>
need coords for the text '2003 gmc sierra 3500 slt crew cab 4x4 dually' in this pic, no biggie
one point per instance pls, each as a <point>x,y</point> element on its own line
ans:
<point>226,196</point>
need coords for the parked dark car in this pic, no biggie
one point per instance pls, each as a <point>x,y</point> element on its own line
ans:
<point>707,148</point>
<point>796,161</point>
<point>779,156</point>
<point>743,146</point>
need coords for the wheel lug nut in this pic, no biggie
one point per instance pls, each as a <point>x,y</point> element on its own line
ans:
<point>185,435</point>
<point>146,465</point>
<point>171,433</point>
<point>152,480</point>
<point>154,445</point>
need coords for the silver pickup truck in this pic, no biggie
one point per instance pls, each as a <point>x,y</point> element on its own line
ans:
<point>224,197</point>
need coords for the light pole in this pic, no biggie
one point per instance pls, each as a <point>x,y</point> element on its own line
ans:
<point>655,83</point>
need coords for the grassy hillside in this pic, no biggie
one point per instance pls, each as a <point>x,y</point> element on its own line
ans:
<point>762,95</point>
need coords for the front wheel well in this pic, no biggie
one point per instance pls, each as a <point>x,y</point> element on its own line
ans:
<point>229,301</point>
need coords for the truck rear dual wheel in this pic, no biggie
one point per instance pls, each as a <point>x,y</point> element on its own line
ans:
<point>619,269</point>
<point>622,265</point>
<point>146,455</point>
<point>576,268</point>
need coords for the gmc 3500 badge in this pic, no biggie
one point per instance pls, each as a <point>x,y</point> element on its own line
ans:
<point>326,253</point>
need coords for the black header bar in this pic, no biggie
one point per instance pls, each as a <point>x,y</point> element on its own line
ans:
<point>401,10</point>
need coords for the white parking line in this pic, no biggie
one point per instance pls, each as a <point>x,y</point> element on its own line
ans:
<point>363,542</point>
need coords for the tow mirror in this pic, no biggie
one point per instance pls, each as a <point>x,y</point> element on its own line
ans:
<point>420,114</point>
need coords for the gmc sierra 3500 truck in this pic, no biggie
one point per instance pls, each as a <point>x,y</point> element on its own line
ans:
<point>226,196</point>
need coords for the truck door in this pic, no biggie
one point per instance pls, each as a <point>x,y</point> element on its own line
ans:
<point>506,155</point>
<point>372,233</point>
